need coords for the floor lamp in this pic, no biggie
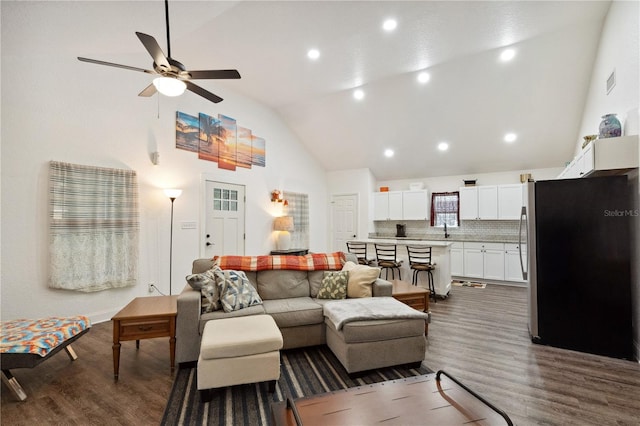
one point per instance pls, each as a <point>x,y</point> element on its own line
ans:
<point>172,194</point>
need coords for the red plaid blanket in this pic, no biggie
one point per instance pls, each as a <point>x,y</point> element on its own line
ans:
<point>309,262</point>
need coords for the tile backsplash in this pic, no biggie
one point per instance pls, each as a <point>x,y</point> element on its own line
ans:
<point>470,230</point>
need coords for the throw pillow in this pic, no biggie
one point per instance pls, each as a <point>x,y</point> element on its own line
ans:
<point>236,292</point>
<point>361,278</point>
<point>206,284</point>
<point>334,285</point>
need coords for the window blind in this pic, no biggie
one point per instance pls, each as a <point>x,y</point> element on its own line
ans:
<point>94,227</point>
<point>298,209</point>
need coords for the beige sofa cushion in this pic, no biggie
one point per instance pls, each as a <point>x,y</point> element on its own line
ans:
<point>282,284</point>
<point>294,312</point>
<point>234,337</point>
<point>361,278</point>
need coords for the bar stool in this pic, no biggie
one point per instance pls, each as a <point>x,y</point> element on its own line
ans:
<point>420,261</point>
<point>386,258</point>
<point>360,250</point>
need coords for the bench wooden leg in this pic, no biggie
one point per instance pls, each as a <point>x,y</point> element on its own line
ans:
<point>71,352</point>
<point>13,385</point>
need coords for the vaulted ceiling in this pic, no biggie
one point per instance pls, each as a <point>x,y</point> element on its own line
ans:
<point>471,101</point>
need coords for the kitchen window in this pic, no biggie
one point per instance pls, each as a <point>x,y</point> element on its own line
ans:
<point>445,208</point>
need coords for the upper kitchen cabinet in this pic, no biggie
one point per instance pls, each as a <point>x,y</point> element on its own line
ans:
<point>510,201</point>
<point>604,157</point>
<point>415,205</point>
<point>401,205</point>
<point>387,205</point>
<point>479,202</point>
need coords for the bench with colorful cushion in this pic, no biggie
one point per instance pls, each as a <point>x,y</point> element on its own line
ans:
<point>25,343</point>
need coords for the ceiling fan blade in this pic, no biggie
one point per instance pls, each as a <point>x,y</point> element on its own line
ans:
<point>214,74</point>
<point>202,92</point>
<point>111,64</point>
<point>148,91</point>
<point>154,50</point>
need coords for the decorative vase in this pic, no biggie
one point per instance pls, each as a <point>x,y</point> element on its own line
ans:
<point>610,126</point>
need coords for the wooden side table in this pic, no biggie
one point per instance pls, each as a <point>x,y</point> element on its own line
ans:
<point>415,296</point>
<point>145,318</point>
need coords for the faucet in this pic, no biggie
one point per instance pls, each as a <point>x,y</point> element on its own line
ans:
<point>446,235</point>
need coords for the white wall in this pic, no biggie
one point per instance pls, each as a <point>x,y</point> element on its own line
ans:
<point>619,49</point>
<point>88,114</point>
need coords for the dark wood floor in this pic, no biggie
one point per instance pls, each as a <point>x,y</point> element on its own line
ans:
<point>478,335</point>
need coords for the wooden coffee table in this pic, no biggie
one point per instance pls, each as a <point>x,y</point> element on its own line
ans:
<point>145,318</point>
<point>415,296</point>
<point>419,400</point>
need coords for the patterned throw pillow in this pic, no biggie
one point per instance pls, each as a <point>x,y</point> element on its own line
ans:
<point>236,292</point>
<point>334,285</point>
<point>206,283</point>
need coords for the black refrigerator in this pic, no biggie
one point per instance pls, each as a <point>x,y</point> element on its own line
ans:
<point>578,265</point>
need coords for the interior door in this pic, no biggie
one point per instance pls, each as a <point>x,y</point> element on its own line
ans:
<point>344,214</point>
<point>225,219</point>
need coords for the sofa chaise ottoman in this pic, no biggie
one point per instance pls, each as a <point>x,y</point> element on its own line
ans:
<point>237,351</point>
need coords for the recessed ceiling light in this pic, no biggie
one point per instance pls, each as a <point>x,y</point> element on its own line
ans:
<point>313,54</point>
<point>443,146</point>
<point>424,77</point>
<point>510,137</point>
<point>388,153</point>
<point>507,55</point>
<point>358,94</point>
<point>389,25</point>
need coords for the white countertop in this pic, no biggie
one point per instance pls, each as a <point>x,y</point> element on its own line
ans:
<point>404,242</point>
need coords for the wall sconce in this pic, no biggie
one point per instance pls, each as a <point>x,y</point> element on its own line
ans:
<point>276,197</point>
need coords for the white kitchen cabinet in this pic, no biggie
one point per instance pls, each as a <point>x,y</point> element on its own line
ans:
<point>512,267</point>
<point>468,203</point>
<point>493,261</point>
<point>473,260</point>
<point>387,205</point>
<point>415,205</point>
<point>479,202</point>
<point>602,156</point>
<point>484,260</point>
<point>510,201</point>
<point>457,259</point>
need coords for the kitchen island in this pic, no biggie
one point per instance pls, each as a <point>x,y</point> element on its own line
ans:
<point>440,255</point>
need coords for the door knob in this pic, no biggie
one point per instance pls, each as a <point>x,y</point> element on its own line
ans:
<point>354,236</point>
<point>208,235</point>
<point>208,244</point>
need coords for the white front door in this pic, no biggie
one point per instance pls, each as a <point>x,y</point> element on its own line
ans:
<point>224,219</point>
<point>344,215</point>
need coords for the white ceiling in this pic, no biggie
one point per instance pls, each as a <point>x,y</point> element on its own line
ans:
<point>471,101</point>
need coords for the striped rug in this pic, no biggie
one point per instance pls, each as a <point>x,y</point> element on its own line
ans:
<point>304,372</point>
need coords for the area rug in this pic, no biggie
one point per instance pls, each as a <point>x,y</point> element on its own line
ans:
<point>468,284</point>
<point>304,372</point>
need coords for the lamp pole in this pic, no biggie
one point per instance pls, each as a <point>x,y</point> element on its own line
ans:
<point>172,194</point>
<point>171,245</point>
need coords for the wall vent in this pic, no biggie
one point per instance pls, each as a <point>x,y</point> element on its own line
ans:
<point>611,81</point>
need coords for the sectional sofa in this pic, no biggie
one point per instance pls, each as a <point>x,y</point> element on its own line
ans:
<point>290,297</point>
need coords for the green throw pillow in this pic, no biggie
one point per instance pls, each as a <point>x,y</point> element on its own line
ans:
<point>334,285</point>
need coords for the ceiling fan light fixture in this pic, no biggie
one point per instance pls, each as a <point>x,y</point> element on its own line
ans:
<point>169,86</point>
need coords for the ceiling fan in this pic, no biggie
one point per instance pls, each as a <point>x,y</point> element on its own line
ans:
<point>173,77</point>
